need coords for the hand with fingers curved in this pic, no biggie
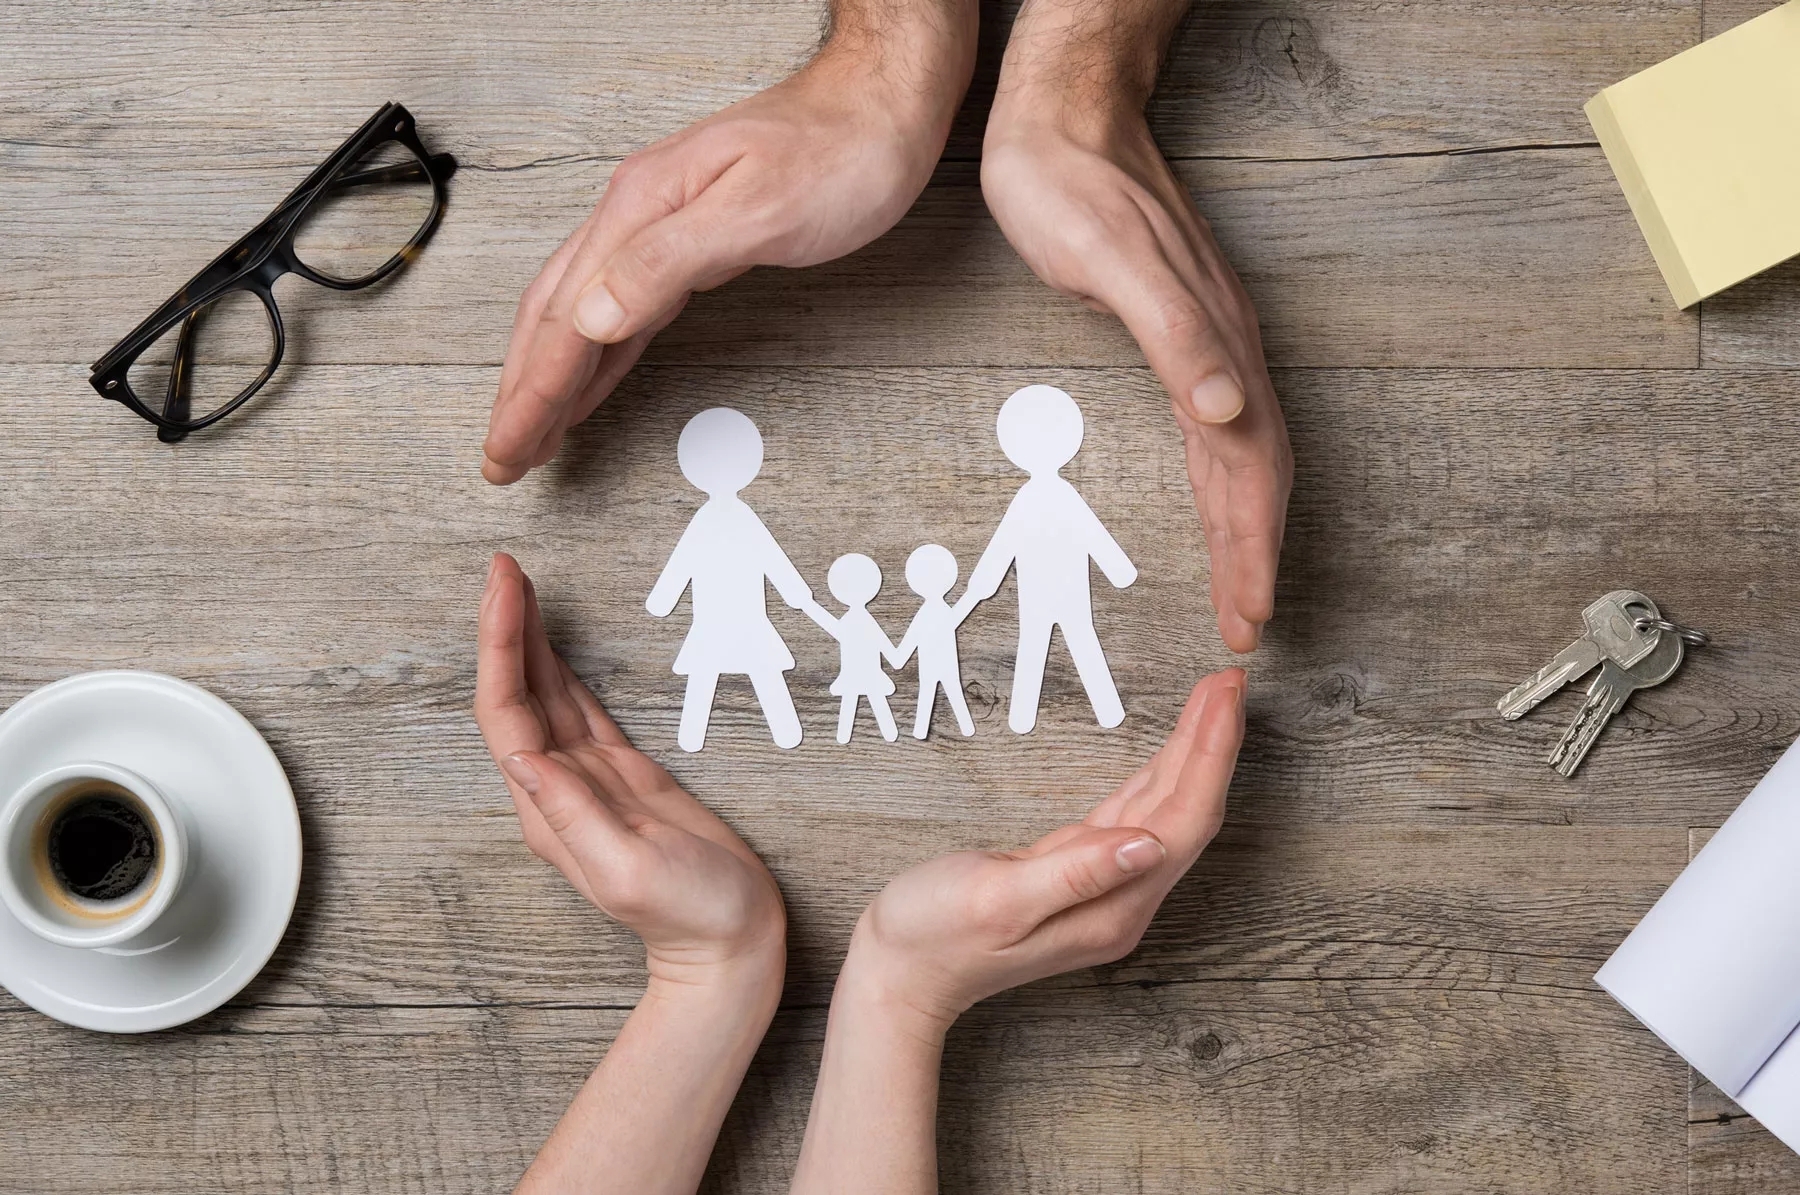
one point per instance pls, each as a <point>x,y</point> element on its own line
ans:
<point>1077,184</point>
<point>808,170</point>
<point>647,854</point>
<point>606,815</point>
<point>962,927</point>
<point>965,926</point>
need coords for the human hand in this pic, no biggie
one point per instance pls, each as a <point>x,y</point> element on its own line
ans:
<point>609,817</point>
<point>1075,181</point>
<point>964,926</point>
<point>808,170</point>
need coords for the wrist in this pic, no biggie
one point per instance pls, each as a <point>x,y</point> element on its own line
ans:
<point>917,56</point>
<point>744,985</point>
<point>1081,68</point>
<point>878,985</point>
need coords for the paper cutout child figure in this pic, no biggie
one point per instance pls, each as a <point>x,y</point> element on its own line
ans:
<point>854,581</point>
<point>726,554</point>
<point>930,572</point>
<point>1049,533</point>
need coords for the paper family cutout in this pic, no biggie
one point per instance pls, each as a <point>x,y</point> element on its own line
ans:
<point>855,580</point>
<point>1047,537</point>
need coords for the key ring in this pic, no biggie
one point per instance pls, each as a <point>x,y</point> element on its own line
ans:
<point>1689,635</point>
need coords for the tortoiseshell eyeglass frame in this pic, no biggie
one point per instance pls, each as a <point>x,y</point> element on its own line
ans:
<point>257,260</point>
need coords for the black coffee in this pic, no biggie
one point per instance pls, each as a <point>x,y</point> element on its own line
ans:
<point>101,847</point>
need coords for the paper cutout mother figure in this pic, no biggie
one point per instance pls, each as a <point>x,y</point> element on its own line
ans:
<point>1050,533</point>
<point>726,554</point>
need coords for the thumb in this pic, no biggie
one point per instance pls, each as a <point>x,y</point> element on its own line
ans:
<point>1179,339</point>
<point>1083,867</point>
<point>692,248</point>
<point>572,810</point>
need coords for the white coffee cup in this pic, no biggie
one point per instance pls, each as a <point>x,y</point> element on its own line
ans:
<point>34,879</point>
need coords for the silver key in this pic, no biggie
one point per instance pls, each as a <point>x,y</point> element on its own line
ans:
<point>1611,634</point>
<point>1607,696</point>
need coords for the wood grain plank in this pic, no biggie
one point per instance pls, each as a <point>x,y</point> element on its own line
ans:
<point>1728,14</point>
<point>1518,259</point>
<point>1228,1087</point>
<point>1756,323</point>
<point>255,84</point>
<point>511,84</point>
<point>1407,1101</point>
<point>1730,1154</point>
<point>1504,260</point>
<point>439,904</point>
<point>1371,77</point>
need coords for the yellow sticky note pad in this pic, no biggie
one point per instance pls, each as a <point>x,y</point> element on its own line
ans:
<point>1707,147</point>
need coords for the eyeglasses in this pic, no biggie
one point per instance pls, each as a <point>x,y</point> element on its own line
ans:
<point>356,219</point>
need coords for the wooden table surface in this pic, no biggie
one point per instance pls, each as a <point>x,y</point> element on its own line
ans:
<point>1377,980</point>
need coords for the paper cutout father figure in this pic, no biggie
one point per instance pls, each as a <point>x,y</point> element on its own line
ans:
<point>1049,534</point>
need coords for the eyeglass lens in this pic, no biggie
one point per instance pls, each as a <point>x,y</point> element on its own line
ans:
<point>367,215</point>
<point>229,343</point>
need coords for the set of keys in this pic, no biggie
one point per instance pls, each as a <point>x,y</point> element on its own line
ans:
<point>1634,647</point>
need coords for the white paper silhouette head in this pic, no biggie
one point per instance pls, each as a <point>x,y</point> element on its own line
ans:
<point>854,579</point>
<point>1040,429</point>
<point>931,571</point>
<point>720,451</point>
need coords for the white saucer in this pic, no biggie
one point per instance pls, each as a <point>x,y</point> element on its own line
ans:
<point>242,878</point>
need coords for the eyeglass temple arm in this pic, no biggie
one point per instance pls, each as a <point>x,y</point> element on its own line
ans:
<point>175,397</point>
<point>404,172</point>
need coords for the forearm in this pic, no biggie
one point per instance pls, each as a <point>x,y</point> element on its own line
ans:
<point>926,47</point>
<point>1098,55</point>
<point>873,1126</point>
<point>645,1121</point>
<point>933,38</point>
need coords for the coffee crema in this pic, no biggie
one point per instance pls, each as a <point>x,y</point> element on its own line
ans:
<point>96,847</point>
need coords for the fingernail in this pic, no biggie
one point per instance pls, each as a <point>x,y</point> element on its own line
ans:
<point>598,315</point>
<point>1217,399</point>
<point>1140,854</point>
<point>493,566</point>
<point>522,773</point>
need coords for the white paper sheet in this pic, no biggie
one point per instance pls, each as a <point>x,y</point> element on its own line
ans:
<point>1714,967</point>
<point>1773,1097</point>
